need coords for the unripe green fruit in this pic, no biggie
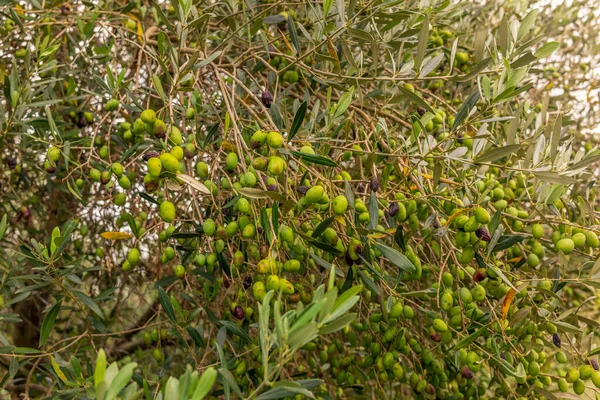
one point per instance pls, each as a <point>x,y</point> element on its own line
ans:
<point>169,162</point>
<point>439,325</point>
<point>276,165</point>
<point>340,205</point>
<point>465,295</point>
<point>179,271</point>
<point>596,378</point>
<point>190,113</point>
<point>578,387</point>
<point>111,105</point>
<point>126,266</point>
<point>408,312</point>
<point>565,245</point>
<point>591,239</point>
<point>167,211</point>
<point>585,372</point>
<point>232,161</point>
<point>478,293</point>
<point>537,230</point>
<point>533,260</point>
<point>159,128</point>
<point>482,216</point>
<point>148,116</point>
<point>133,256</point>
<point>563,386</point>
<point>259,138</point>
<point>154,167</point>
<point>202,169</point>
<point>175,137</point>
<point>53,154</point>
<point>291,266</point>
<point>446,301</point>
<point>120,199</point>
<point>533,369</point>
<point>249,231</point>
<point>572,375</point>
<point>579,239</point>
<point>209,227</point>
<point>272,282</point>
<point>286,286</point>
<point>471,225</point>
<point>274,139</point>
<point>231,229</point>
<point>314,194</point>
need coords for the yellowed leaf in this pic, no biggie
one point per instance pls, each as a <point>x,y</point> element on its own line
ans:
<point>116,235</point>
<point>506,303</point>
<point>57,369</point>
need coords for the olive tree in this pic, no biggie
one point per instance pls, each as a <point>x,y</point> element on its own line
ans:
<point>299,199</point>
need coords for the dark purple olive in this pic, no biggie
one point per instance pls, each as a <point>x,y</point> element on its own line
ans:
<point>421,111</point>
<point>436,337</point>
<point>466,372</point>
<point>12,162</point>
<point>272,188</point>
<point>556,340</point>
<point>479,275</point>
<point>82,123</point>
<point>247,281</point>
<point>594,364</point>
<point>150,154</point>
<point>394,208</point>
<point>266,99</point>
<point>348,259</point>
<point>302,189</point>
<point>483,234</point>
<point>374,184</point>
<point>260,230</point>
<point>238,312</point>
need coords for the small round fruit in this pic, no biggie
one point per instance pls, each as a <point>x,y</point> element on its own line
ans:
<point>169,162</point>
<point>209,227</point>
<point>482,216</point>
<point>120,199</point>
<point>111,105</point>
<point>148,116</point>
<point>274,139</point>
<point>133,256</point>
<point>572,375</point>
<point>167,211</point>
<point>439,325</point>
<point>340,205</point>
<point>53,154</point>
<point>578,387</point>
<point>154,167</point>
<point>179,271</point>
<point>276,165</point>
<point>537,231</point>
<point>314,194</point>
<point>565,245</point>
<point>232,161</point>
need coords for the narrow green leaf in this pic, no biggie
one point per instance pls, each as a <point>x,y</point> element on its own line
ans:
<point>471,338</point>
<point>293,33</point>
<point>507,241</point>
<point>315,159</point>
<point>397,258</point>
<point>90,303</point>
<point>100,368</point>
<point>3,226</point>
<point>413,98</point>
<point>48,323</point>
<point>498,153</point>
<point>546,50</point>
<point>422,45</point>
<point>465,109</point>
<point>322,227</point>
<point>164,300</point>
<point>298,120</point>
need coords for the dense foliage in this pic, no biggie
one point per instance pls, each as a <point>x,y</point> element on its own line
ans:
<point>298,199</point>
